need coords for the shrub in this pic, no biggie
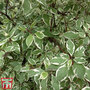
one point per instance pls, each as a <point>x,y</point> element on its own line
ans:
<point>44,44</point>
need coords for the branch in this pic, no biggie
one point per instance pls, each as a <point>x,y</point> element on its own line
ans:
<point>65,25</point>
<point>8,17</point>
<point>54,22</point>
<point>51,24</point>
<point>7,2</point>
<point>29,30</point>
<point>62,13</point>
<point>5,15</point>
<point>51,39</point>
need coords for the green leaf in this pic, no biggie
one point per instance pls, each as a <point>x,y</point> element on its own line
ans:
<point>26,6</point>
<point>22,27</point>
<point>87,74</point>
<point>64,56</point>
<point>1,62</point>
<point>69,63</point>
<point>24,46</point>
<point>33,24</point>
<point>46,19</point>
<point>9,48</point>
<point>58,60</point>
<point>3,41</point>
<point>38,42</point>
<point>36,79</point>
<point>29,40</point>
<point>86,41</point>
<point>14,46</point>
<point>15,63</point>
<point>25,68</point>
<point>46,63</point>
<point>82,34</point>
<point>61,73</point>
<point>43,85</point>
<point>43,2</point>
<point>79,52</point>
<point>13,31</point>
<point>31,61</point>
<point>79,23</point>
<point>86,26</point>
<point>17,37</point>
<point>2,54</point>
<point>55,83</point>
<point>21,77</point>
<point>52,67</point>
<point>80,60</point>
<point>72,88</point>
<point>37,52</point>
<point>71,74</point>
<point>40,35</point>
<point>17,68</point>
<point>70,47</point>
<point>86,88</point>
<point>79,70</point>
<point>34,72</point>
<point>53,10</point>
<point>71,35</point>
<point>43,75</point>
<point>12,74</point>
<point>1,5</point>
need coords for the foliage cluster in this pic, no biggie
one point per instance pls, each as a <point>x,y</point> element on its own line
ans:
<point>44,44</point>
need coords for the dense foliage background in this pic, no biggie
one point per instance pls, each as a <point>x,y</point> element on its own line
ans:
<point>44,44</point>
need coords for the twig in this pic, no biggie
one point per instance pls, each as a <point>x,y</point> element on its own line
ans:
<point>7,2</point>
<point>29,30</point>
<point>51,24</point>
<point>65,25</point>
<point>51,39</point>
<point>54,22</point>
<point>8,17</point>
<point>5,15</point>
<point>62,13</point>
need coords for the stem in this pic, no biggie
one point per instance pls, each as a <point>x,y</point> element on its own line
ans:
<point>51,24</point>
<point>65,25</point>
<point>8,17</point>
<point>54,22</point>
<point>51,39</point>
<point>7,2</point>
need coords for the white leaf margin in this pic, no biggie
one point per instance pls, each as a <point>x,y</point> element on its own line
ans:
<point>58,70</point>
<point>85,88</point>
<point>69,48</point>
